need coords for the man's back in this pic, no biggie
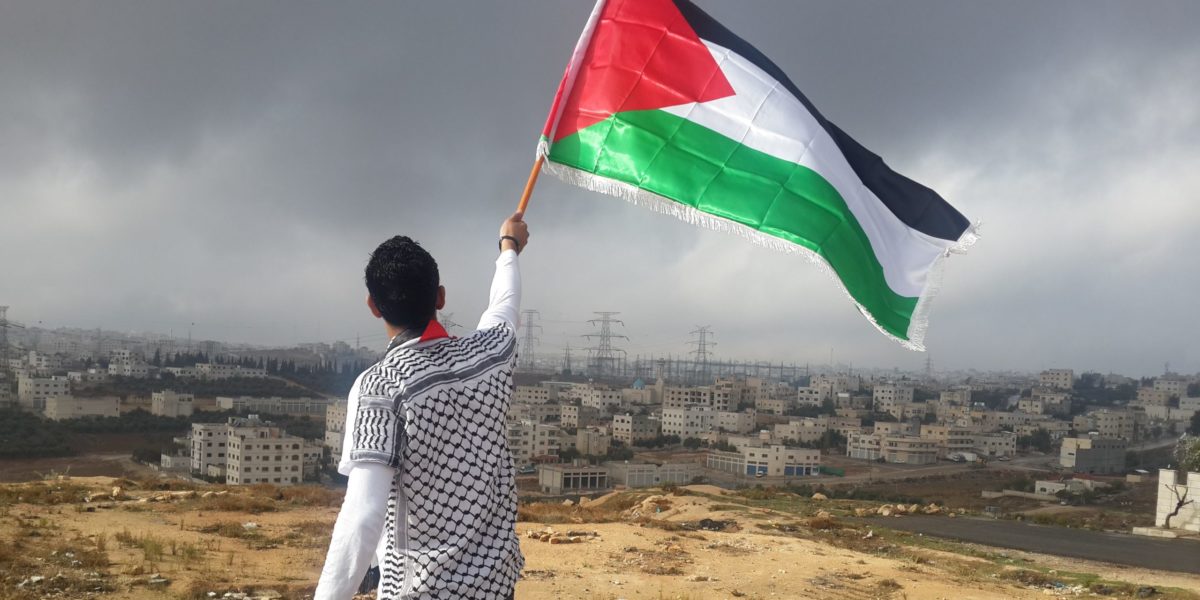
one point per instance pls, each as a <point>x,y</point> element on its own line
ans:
<point>431,492</point>
<point>436,414</point>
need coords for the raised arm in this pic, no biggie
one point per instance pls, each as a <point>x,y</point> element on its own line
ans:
<point>504,302</point>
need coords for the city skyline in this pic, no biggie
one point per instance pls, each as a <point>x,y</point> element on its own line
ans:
<point>232,167</point>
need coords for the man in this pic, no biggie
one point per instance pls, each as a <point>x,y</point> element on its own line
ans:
<point>431,490</point>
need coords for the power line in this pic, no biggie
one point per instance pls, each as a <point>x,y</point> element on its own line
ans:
<point>703,373</point>
<point>602,358</point>
<point>529,322</point>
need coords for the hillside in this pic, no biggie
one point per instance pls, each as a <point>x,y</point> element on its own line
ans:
<point>99,537</point>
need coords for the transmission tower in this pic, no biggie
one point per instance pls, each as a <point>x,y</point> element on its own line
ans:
<point>567,359</point>
<point>602,358</point>
<point>447,321</point>
<point>529,322</point>
<point>701,370</point>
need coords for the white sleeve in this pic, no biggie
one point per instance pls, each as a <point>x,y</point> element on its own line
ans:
<point>357,531</point>
<point>504,302</point>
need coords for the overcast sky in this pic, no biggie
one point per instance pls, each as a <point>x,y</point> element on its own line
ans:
<point>232,164</point>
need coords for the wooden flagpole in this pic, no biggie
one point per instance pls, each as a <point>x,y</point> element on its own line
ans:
<point>533,177</point>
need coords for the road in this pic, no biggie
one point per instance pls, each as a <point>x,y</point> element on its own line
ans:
<point>1180,555</point>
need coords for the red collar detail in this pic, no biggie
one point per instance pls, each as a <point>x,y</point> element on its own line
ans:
<point>433,331</point>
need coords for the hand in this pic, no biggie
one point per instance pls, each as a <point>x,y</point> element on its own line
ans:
<point>514,226</point>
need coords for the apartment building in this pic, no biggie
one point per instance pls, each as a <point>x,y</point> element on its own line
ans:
<point>633,429</point>
<point>169,403</point>
<point>571,415</point>
<point>528,441</point>
<point>208,442</point>
<point>900,449</point>
<point>729,394</point>
<point>1172,387</point>
<point>606,400</point>
<point>678,397</point>
<point>335,429</point>
<point>61,408</point>
<point>32,392</point>
<point>534,394</point>
<point>1095,455</point>
<point>767,460</point>
<point>736,422</point>
<point>1061,379</point>
<point>689,421</point>
<point>592,441</point>
<point>885,396</point>
<point>538,413</point>
<point>274,405</point>
<point>809,396</point>
<point>259,452</point>
<point>223,371</point>
<point>1105,423</point>
<point>803,430</point>
<point>1153,396</point>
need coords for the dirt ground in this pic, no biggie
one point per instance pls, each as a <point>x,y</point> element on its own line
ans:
<point>626,545</point>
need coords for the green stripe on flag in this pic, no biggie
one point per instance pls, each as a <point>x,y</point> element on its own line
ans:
<point>693,165</point>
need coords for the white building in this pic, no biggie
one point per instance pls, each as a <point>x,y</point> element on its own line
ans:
<point>885,396</point>
<point>1173,387</point>
<point>690,421</point>
<point>592,441</point>
<point>804,430</point>
<point>603,399</point>
<point>529,441</point>
<point>736,422</point>
<point>274,405</point>
<point>768,460</point>
<point>571,415</point>
<point>639,475</point>
<point>1062,379</point>
<point>572,478</point>
<point>678,397</point>
<point>168,403</point>
<point>535,394</point>
<point>223,371</point>
<point>335,427</point>
<point>530,411</point>
<point>633,429</point>
<point>208,447</point>
<point>259,452</point>
<point>59,408</point>
<point>32,392</point>
<point>1095,455</point>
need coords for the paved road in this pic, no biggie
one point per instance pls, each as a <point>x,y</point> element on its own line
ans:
<point>1181,555</point>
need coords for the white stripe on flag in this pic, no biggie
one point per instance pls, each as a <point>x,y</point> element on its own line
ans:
<point>764,116</point>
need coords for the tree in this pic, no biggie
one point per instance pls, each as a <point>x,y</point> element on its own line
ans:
<point>692,443</point>
<point>1187,452</point>
<point>1194,428</point>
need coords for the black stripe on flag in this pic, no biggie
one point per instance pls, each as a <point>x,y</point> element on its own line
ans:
<point>914,204</point>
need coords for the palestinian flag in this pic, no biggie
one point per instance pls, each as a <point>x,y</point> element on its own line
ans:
<point>664,107</point>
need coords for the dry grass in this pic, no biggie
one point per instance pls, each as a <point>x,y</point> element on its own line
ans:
<point>311,495</point>
<point>608,511</point>
<point>44,493</point>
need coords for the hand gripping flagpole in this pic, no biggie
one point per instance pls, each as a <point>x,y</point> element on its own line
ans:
<point>533,177</point>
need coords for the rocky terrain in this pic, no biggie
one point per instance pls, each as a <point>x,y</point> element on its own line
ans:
<point>99,537</point>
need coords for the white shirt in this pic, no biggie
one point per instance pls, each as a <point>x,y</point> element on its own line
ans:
<point>359,531</point>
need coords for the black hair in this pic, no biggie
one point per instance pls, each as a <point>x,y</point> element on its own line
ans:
<point>402,279</point>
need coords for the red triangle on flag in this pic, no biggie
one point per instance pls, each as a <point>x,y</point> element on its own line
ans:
<point>643,55</point>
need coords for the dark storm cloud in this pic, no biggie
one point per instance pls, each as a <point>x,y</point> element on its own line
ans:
<point>232,164</point>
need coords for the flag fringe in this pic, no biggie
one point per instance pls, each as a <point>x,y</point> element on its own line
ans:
<point>919,321</point>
